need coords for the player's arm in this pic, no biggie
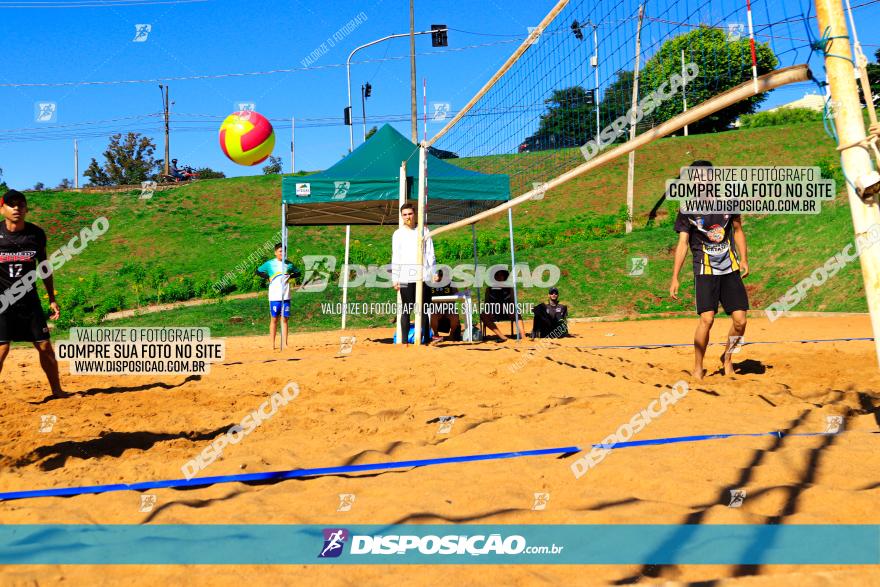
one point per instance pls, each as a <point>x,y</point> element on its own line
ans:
<point>680,255</point>
<point>739,237</point>
<point>49,284</point>
<point>262,271</point>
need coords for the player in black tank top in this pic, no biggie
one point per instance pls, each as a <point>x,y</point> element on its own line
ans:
<point>22,248</point>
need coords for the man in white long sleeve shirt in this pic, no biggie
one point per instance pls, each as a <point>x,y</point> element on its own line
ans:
<point>405,269</point>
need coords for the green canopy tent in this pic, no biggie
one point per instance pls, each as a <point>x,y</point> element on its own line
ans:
<point>364,187</point>
<point>368,186</point>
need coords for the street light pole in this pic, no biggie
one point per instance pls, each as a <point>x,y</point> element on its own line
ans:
<point>348,74</point>
<point>412,72</point>
<point>596,68</point>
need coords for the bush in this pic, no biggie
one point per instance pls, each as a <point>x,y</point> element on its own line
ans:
<point>208,173</point>
<point>179,290</point>
<point>780,117</point>
<point>830,168</point>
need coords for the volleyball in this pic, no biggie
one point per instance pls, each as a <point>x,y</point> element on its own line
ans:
<point>247,137</point>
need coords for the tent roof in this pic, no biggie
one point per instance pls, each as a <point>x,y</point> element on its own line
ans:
<point>363,188</point>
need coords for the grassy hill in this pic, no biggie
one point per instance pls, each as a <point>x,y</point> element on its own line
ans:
<point>180,242</point>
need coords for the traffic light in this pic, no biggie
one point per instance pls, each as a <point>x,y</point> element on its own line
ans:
<point>346,115</point>
<point>576,29</point>
<point>438,36</point>
<point>368,89</point>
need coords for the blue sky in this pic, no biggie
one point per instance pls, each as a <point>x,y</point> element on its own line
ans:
<point>77,43</point>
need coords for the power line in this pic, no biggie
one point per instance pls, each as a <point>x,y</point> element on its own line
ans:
<point>91,4</point>
<point>246,74</point>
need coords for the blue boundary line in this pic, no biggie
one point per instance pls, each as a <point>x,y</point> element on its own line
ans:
<point>690,344</point>
<point>299,473</point>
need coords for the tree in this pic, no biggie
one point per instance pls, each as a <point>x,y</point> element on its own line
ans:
<point>873,79</point>
<point>3,187</point>
<point>371,132</point>
<point>128,161</point>
<point>569,117</point>
<point>64,184</point>
<point>722,63</point>
<point>38,187</point>
<point>274,166</point>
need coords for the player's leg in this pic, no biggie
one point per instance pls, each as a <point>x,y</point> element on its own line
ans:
<point>50,365</point>
<point>734,336</point>
<point>274,308</point>
<point>4,350</point>
<point>735,301</point>
<point>285,315</point>
<point>5,337</point>
<point>426,324</point>
<point>407,300</point>
<point>701,341</point>
<point>708,290</point>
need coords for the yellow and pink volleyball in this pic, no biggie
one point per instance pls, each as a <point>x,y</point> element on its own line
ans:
<point>247,137</point>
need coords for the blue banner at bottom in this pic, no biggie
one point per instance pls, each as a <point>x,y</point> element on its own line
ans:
<point>440,544</point>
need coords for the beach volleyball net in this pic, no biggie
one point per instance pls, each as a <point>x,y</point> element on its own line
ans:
<point>594,80</point>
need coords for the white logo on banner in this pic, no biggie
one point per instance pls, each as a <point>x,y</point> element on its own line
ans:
<point>340,189</point>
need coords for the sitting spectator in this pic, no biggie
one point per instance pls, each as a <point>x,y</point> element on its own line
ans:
<point>550,318</point>
<point>499,305</point>
<point>443,318</point>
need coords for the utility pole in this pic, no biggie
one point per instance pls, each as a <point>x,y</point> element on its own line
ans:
<point>862,180</point>
<point>414,114</point>
<point>630,176</point>
<point>292,138</point>
<point>596,68</point>
<point>164,90</point>
<point>75,165</point>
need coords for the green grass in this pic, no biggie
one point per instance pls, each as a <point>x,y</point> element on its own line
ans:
<point>181,241</point>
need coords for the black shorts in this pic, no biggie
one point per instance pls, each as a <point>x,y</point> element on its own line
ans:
<point>23,322</point>
<point>727,289</point>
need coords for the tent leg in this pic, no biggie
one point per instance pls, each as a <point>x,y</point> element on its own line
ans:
<point>479,301</point>
<point>283,263</point>
<point>420,253</point>
<point>519,334</point>
<point>401,200</point>
<point>345,275</point>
